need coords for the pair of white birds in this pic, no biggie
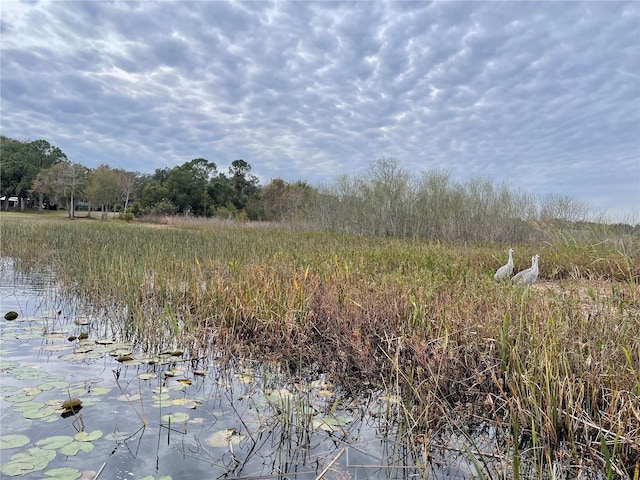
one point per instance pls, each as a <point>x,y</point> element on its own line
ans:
<point>525,277</point>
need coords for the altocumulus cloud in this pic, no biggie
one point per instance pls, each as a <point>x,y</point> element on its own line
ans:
<point>542,95</point>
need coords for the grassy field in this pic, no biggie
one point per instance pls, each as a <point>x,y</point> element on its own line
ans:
<point>555,367</point>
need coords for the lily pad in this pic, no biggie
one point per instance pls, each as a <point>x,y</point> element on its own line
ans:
<point>125,397</point>
<point>29,373</point>
<point>117,436</point>
<point>74,447</point>
<point>331,423</point>
<point>11,315</point>
<point>223,438</point>
<point>64,473</point>
<point>32,460</point>
<point>88,436</point>
<point>53,443</point>
<point>174,372</point>
<point>38,411</point>
<point>147,376</point>
<point>178,417</point>
<point>13,441</point>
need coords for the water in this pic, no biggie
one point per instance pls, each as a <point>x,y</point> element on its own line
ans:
<point>168,417</point>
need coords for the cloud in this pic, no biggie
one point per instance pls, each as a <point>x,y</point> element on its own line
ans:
<point>543,95</point>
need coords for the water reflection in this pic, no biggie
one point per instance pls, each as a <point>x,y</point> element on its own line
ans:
<point>168,416</point>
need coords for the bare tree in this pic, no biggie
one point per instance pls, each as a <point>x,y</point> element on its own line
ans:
<point>130,183</point>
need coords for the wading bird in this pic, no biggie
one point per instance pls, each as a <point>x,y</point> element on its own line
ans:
<point>505,271</point>
<point>528,276</point>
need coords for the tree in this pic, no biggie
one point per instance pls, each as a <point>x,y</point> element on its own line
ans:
<point>65,182</point>
<point>244,184</point>
<point>186,185</point>
<point>385,189</point>
<point>21,163</point>
<point>103,188</point>
<point>282,200</point>
<point>130,183</point>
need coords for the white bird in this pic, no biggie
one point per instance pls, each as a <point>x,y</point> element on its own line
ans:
<point>505,271</point>
<point>528,276</point>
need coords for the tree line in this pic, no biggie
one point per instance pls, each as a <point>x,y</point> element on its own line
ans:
<point>386,200</point>
<point>36,174</point>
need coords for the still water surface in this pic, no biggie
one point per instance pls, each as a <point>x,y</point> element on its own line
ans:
<point>168,417</point>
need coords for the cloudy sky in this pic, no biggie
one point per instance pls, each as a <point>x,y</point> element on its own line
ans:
<point>542,95</point>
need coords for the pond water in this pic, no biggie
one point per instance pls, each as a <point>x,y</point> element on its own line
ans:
<point>168,417</point>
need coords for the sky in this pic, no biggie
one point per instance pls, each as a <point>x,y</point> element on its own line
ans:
<point>543,96</point>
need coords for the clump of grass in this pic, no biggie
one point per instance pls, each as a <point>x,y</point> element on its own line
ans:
<point>555,367</point>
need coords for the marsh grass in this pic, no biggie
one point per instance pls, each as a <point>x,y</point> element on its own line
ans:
<point>554,367</point>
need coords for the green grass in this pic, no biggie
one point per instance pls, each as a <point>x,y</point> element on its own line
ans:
<point>556,367</point>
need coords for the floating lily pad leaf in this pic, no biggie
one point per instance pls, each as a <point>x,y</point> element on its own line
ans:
<point>33,460</point>
<point>184,381</point>
<point>223,438</point>
<point>174,372</point>
<point>167,388</point>
<point>117,436</point>
<point>151,477</point>
<point>185,402</point>
<point>9,365</point>
<point>104,341</point>
<point>125,397</point>
<point>279,397</point>
<point>199,373</point>
<point>162,400</point>
<point>118,349</point>
<point>13,441</point>
<point>178,417</point>
<point>98,391</point>
<point>38,411</point>
<point>18,398</point>
<point>80,357</point>
<point>30,374</point>
<point>124,358</point>
<point>331,423</point>
<point>88,436</point>
<point>83,349</point>
<point>31,390</point>
<point>11,315</point>
<point>147,376</point>
<point>64,473</point>
<point>8,389</point>
<point>53,443</point>
<point>74,447</point>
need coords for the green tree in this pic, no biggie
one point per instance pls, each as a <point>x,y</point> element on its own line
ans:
<point>65,182</point>
<point>103,188</point>
<point>21,163</point>
<point>243,183</point>
<point>187,184</point>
